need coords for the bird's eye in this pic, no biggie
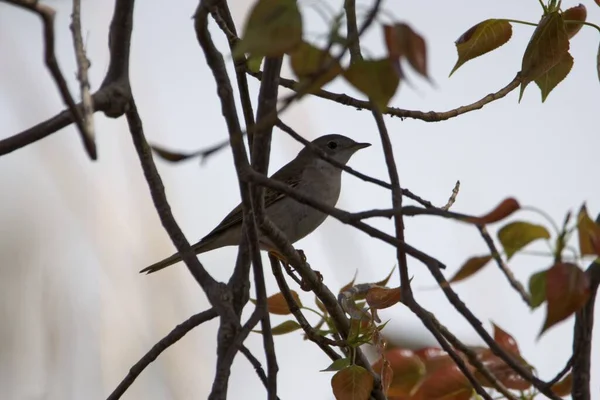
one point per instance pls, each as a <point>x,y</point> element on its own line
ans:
<point>332,145</point>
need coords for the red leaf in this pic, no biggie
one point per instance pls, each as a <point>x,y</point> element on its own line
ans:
<point>505,374</point>
<point>409,371</point>
<point>380,298</point>
<point>402,41</point>
<point>506,341</point>
<point>567,290</point>
<point>352,383</point>
<point>503,210</point>
<point>471,266</point>
<point>434,358</point>
<point>577,13</point>
<point>447,383</point>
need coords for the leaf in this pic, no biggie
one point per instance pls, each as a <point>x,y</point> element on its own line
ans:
<point>471,266</point>
<point>337,365</point>
<point>402,41</point>
<point>380,298</point>
<point>309,62</point>
<point>387,375</point>
<point>352,383</point>
<point>434,358</point>
<point>378,79</point>
<point>506,341</point>
<point>276,303</point>
<point>555,75</point>
<point>564,387</point>
<point>171,156</point>
<point>577,13</point>
<point>537,288</point>
<point>546,48</point>
<point>349,285</point>
<point>409,371</point>
<point>284,327</point>
<point>273,27</point>
<point>567,290</point>
<point>505,374</point>
<point>503,210</point>
<point>254,63</point>
<point>448,383</point>
<point>519,234</point>
<point>385,281</point>
<point>588,233</point>
<point>482,38</point>
<point>320,305</point>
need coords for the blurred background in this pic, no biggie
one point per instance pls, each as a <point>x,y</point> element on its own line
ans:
<point>75,313</point>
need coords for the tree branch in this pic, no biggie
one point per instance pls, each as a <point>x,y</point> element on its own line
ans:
<point>256,364</point>
<point>173,337</point>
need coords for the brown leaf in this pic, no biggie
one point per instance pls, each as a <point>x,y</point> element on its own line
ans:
<point>408,368</point>
<point>555,75</point>
<point>564,387</point>
<point>503,210</point>
<point>588,233</point>
<point>505,374</point>
<point>387,278</point>
<point>471,266</point>
<point>350,284</point>
<point>273,28</point>
<point>577,13</point>
<point>546,48</point>
<point>448,383</point>
<point>567,290</point>
<point>434,358</point>
<point>169,155</point>
<point>309,62</point>
<point>387,375</point>
<point>378,79</point>
<point>276,303</point>
<point>402,41</point>
<point>352,383</point>
<point>380,298</point>
<point>519,234</point>
<point>482,38</point>
<point>506,341</point>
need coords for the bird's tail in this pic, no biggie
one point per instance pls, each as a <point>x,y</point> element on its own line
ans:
<point>198,248</point>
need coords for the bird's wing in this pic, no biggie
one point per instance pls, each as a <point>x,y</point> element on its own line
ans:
<point>235,216</point>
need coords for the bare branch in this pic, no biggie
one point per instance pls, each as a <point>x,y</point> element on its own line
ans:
<point>47,16</point>
<point>173,337</point>
<point>453,196</point>
<point>256,364</point>
<point>352,30</point>
<point>82,71</point>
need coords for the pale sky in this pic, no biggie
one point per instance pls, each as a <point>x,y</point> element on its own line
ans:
<point>73,233</point>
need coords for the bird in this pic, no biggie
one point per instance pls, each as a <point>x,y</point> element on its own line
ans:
<point>308,173</point>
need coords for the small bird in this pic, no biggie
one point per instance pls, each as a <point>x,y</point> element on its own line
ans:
<point>308,173</point>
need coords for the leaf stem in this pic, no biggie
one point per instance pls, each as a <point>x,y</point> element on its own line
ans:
<point>518,21</point>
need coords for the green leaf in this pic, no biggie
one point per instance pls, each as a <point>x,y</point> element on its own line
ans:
<point>482,38</point>
<point>337,365</point>
<point>567,291</point>
<point>546,48</point>
<point>283,328</point>
<point>517,235</point>
<point>471,266</point>
<point>550,79</point>
<point>378,79</point>
<point>254,63</point>
<point>309,62</point>
<point>537,288</point>
<point>577,13</point>
<point>352,383</point>
<point>273,27</point>
<point>588,233</point>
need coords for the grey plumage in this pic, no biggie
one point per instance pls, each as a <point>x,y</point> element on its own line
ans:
<point>308,173</point>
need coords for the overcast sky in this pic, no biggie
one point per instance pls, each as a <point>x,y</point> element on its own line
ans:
<point>73,233</point>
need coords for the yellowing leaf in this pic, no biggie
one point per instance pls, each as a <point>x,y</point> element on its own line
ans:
<point>546,48</point>
<point>564,387</point>
<point>577,13</point>
<point>254,63</point>
<point>276,304</point>
<point>283,328</point>
<point>471,266</point>
<point>352,383</point>
<point>482,38</point>
<point>273,27</point>
<point>537,288</point>
<point>555,75</point>
<point>567,290</point>
<point>309,63</point>
<point>502,210</point>
<point>378,79</point>
<point>403,41</point>
<point>588,233</point>
<point>380,298</point>
<point>517,235</point>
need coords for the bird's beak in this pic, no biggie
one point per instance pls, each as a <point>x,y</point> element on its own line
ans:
<point>359,146</point>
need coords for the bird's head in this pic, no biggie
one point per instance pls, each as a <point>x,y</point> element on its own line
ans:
<point>339,147</point>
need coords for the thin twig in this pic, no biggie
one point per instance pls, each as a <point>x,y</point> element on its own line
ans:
<point>177,333</point>
<point>47,15</point>
<point>256,364</point>
<point>453,196</point>
<point>352,31</point>
<point>82,71</point>
<point>561,374</point>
